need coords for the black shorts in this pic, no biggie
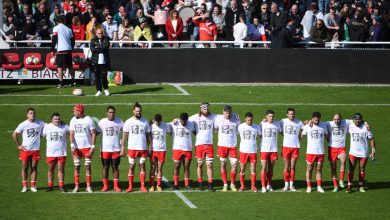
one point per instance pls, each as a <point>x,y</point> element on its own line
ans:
<point>64,60</point>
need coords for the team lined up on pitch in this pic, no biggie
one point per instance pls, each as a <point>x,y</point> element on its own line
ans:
<point>148,139</point>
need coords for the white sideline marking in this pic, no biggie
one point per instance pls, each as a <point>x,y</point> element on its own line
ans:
<point>178,87</point>
<point>196,103</point>
<point>286,84</point>
<point>133,94</point>
<point>179,194</point>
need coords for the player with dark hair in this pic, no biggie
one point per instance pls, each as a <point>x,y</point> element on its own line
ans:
<point>111,127</point>
<point>29,152</point>
<point>137,132</point>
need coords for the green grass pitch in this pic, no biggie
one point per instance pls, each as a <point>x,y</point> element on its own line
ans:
<point>372,102</point>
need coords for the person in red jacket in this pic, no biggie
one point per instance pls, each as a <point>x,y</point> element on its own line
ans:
<point>207,29</point>
<point>174,26</point>
<point>78,30</point>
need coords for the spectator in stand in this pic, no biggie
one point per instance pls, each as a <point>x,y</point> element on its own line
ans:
<point>22,14</point>
<point>240,30</point>
<point>376,31</point>
<point>78,31</point>
<point>346,10</point>
<point>50,5</point>
<point>139,14</point>
<point>106,10</point>
<point>118,17</point>
<point>42,22</point>
<point>131,8</point>
<point>18,7</point>
<point>323,6</point>
<point>249,11</point>
<point>200,14</point>
<point>310,19</point>
<point>284,39</point>
<point>344,30</point>
<point>295,29</point>
<point>91,28</point>
<point>265,17</point>
<point>168,4</point>
<point>320,34</point>
<point>110,28</point>
<point>29,30</point>
<point>143,32</point>
<point>72,13</point>
<point>86,17</point>
<point>358,30</point>
<point>149,6</point>
<point>126,32</point>
<point>207,30</point>
<point>231,18</point>
<point>174,26</point>
<point>256,32</point>
<point>10,28</point>
<point>53,16</point>
<point>217,16</point>
<point>332,21</point>
<point>82,6</point>
<point>277,23</point>
<point>294,12</point>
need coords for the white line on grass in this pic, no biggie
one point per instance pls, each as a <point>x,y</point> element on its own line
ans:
<point>179,194</point>
<point>178,87</point>
<point>196,103</point>
<point>134,94</point>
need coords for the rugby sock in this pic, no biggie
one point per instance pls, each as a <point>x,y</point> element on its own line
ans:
<point>242,180</point>
<point>342,173</point>
<point>200,179</point>
<point>224,177</point>
<point>105,182</point>
<point>319,182</point>
<point>142,179</point>
<point>131,178</point>
<point>186,181</point>
<point>286,175</point>
<point>61,183</point>
<point>350,178</point>
<point>175,180</point>
<point>158,181</point>
<point>50,183</point>
<point>32,183</point>
<point>116,182</point>
<point>24,183</point>
<point>361,178</point>
<point>88,177</point>
<point>270,174</point>
<point>210,180</point>
<point>292,176</point>
<point>253,180</point>
<point>232,177</point>
<point>308,183</point>
<point>77,179</point>
<point>263,179</point>
<point>151,181</point>
<point>335,183</point>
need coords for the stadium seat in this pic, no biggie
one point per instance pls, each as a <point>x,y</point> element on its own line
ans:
<point>79,66</point>
<point>50,65</point>
<point>10,61</point>
<point>33,66</point>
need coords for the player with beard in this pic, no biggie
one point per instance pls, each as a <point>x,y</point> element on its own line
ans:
<point>82,142</point>
<point>29,153</point>
<point>111,127</point>
<point>136,131</point>
<point>204,149</point>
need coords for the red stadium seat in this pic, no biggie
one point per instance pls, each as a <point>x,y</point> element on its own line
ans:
<point>76,66</point>
<point>32,66</point>
<point>50,65</point>
<point>10,61</point>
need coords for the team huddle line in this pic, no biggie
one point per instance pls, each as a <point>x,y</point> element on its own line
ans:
<point>148,139</point>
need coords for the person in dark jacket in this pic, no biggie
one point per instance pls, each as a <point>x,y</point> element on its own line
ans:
<point>358,29</point>
<point>232,18</point>
<point>100,61</point>
<point>320,33</point>
<point>277,23</point>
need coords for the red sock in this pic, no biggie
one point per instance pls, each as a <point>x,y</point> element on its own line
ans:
<point>308,183</point>
<point>105,182</point>
<point>263,179</point>
<point>242,180</point>
<point>131,178</point>
<point>292,175</point>
<point>253,180</point>
<point>286,175</point>
<point>50,183</point>
<point>32,183</point>
<point>24,183</point>
<point>77,179</point>
<point>175,180</point>
<point>319,183</point>
<point>200,179</point>
<point>88,180</point>
<point>158,181</point>
<point>350,178</point>
<point>232,177</point>
<point>361,177</point>
<point>186,181</point>
<point>335,183</point>
<point>142,179</point>
<point>116,182</point>
<point>210,180</point>
<point>270,174</point>
<point>151,181</point>
<point>224,177</point>
<point>342,173</point>
<point>61,183</point>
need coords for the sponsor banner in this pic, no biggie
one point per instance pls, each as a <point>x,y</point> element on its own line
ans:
<point>38,74</point>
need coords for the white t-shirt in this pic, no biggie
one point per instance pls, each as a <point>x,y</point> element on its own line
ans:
<point>248,136</point>
<point>227,131</point>
<point>31,134</point>
<point>64,35</point>
<point>55,139</point>
<point>111,131</point>
<point>109,29</point>
<point>182,138</point>
<point>291,132</point>
<point>338,133</point>
<point>269,136</point>
<point>315,138</point>
<point>159,136</point>
<point>204,128</point>
<point>359,140</point>
<point>82,128</point>
<point>137,129</point>
<point>240,31</point>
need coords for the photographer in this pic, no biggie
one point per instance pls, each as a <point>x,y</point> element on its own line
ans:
<point>100,61</point>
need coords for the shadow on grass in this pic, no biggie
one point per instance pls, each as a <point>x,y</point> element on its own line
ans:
<point>22,89</point>
<point>138,91</point>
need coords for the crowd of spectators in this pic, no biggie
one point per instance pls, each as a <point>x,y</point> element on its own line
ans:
<point>282,22</point>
